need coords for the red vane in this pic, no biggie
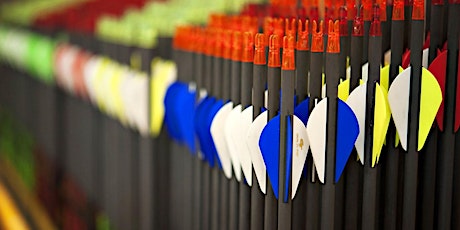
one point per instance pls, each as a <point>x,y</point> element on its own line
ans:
<point>259,56</point>
<point>398,10</point>
<point>333,41</point>
<point>418,10</point>
<point>248,47</point>
<point>288,53</point>
<point>438,69</point>
<point>274,51</point>
<point>302,36</point>
<point>376,29</point>
<point>317,43</point>
<point>406,59</point>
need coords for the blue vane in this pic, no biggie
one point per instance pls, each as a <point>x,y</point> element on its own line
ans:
<point>269,144</point>
<point>347,132</point>
<point>200,126</point>
<point>170,101</point>
<point>184,110</point>
<point>288,158</point>
<point>209,141</point>
<point>301,110</point>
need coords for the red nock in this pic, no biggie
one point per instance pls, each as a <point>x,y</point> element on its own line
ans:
<point>418,10</point>
<point>376,29</point>
<point>343,21</point>
<point>398,10</point>
<point>358,26</point>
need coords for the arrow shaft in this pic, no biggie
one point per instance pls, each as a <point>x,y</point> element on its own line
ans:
<point>257,197</point>
<point>354,169</point>
<point>328,208</point>
<point>369,208</point>
<point>445,165</point>
<point>271,204</point>
<point>245,191</point>
<point>392,157</point>
<point>313,187</point>
<point>286,110</point>
<point>302,68</point>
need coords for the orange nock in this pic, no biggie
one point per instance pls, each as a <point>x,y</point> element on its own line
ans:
<point>236,47</point>
<point>333,41</point>
<point>209,41</point>
<point>268,29</point>
<point>219,43</point>
<point>290,27</point>
<point>259,56</point>
<point>279,29</point>
<point>248,47</point>
<point>250,24</point>
<point>375,29</point>
<point>302,36</point>
<point>398,10</point>
<point>200,46</point>
<point>227,52</point>
<point>274,51</point>
<point>418,12</point>
<point>358,26</point>
<point>317,42</point>
<point>288,53</point>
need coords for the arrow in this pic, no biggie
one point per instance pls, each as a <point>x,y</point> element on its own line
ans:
<point>418,85</point>
<point>392,157</point>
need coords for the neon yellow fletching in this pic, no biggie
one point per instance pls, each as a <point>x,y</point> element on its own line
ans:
<point>162,77</point>
<point>430,100</point>
<point>344,89</point>
<point>381,121</point>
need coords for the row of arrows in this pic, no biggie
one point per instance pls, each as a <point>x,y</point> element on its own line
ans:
<point>259,121</point>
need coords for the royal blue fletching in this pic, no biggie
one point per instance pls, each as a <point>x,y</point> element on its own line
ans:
<point>211,147</point>
<point>347,133</point>
<point>187,129</point>
<point>170,102</point>
<point>302,111</point>
<point>288,158</point>
<point>200,127</point>
<point>269,146</point>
